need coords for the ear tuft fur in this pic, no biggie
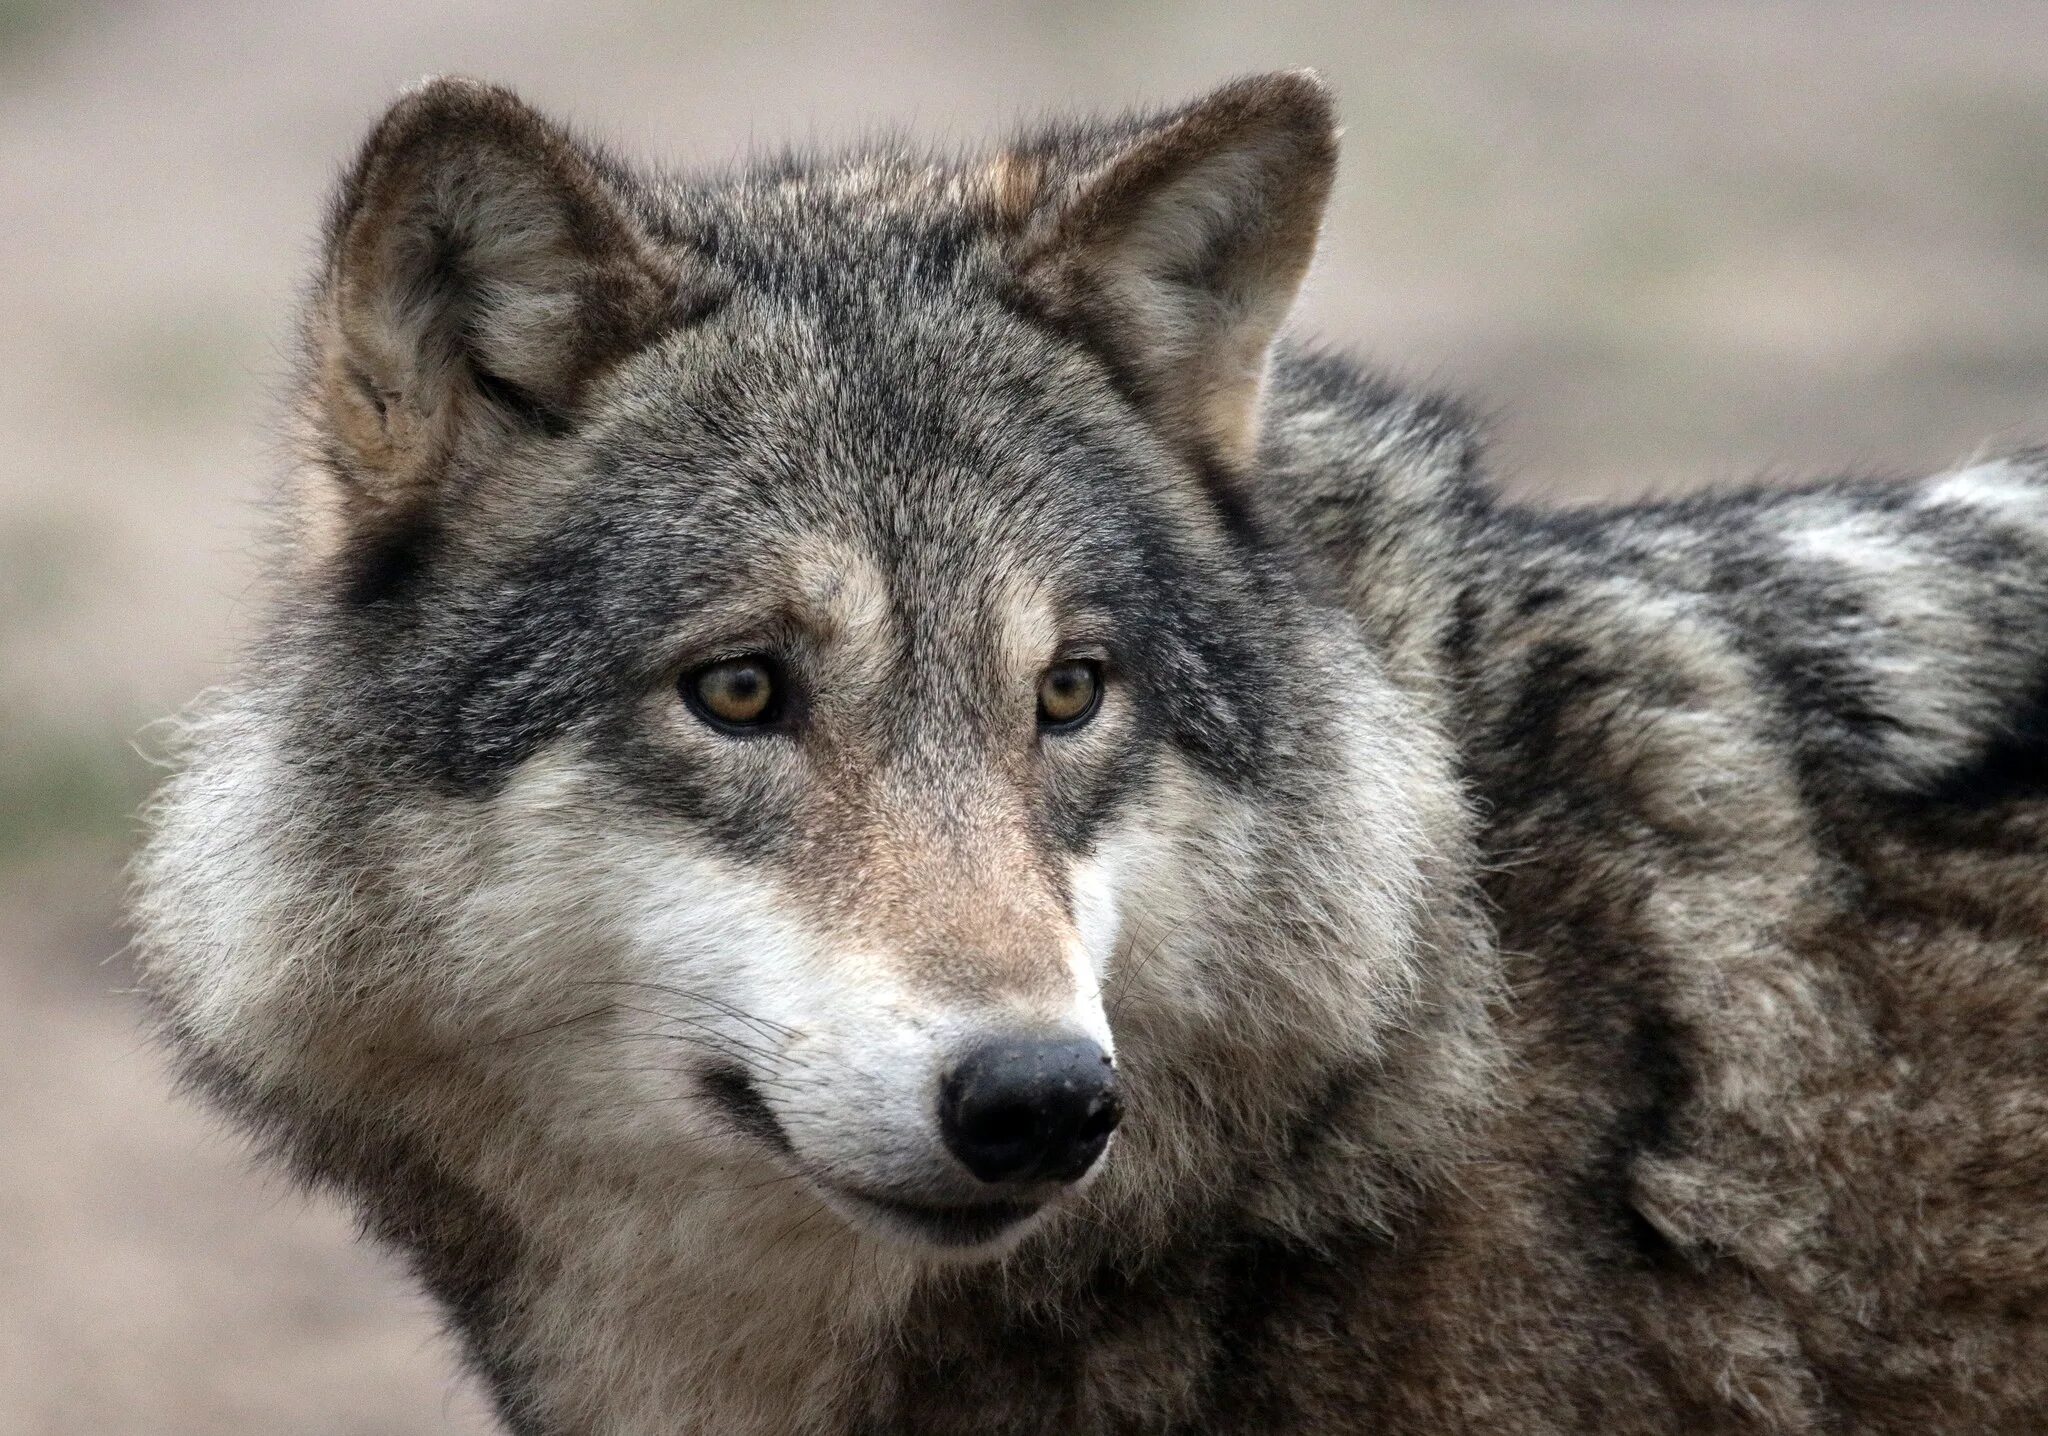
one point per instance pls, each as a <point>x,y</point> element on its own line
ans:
<point>482,267</point>
<point>1180,253</point>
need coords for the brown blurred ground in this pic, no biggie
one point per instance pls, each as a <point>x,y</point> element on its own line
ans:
<point>1666,245</point>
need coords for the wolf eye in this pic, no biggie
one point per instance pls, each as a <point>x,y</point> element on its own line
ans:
<point>734,694</point>
<point>1068,693</point>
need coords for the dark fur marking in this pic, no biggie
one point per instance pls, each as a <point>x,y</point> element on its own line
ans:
<point>521,405</point>
<point>388,565</point>
<point>1660,1088</point>
<point>2013,768</point>
<point>733,1092</point>
<point>1078,333</point>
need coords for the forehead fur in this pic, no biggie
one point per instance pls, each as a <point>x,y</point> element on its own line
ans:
<point>865,415</point>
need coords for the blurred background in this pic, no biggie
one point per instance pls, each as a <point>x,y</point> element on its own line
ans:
<point>1662,246</point>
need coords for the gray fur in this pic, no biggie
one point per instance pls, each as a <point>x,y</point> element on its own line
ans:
<point>1569,972</point>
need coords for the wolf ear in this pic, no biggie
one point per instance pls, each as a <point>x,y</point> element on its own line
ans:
<point>1179,254</point>
<point>481,270</point>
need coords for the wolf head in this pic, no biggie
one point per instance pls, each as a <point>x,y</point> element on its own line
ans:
<point>787,677</point>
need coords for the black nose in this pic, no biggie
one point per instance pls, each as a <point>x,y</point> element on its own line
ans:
<point>1030,1109</point>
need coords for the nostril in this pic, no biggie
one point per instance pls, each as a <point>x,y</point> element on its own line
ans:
<point>1030,1109</point>
<point>1102,1120</point>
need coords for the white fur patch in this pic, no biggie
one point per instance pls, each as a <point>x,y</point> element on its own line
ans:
<point>2005,488</point>
<point>1916,641</point>
<point>1854,541</point>
<point>1098,922</point>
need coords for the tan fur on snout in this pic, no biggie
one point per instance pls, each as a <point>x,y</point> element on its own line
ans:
<point>925,862</point>
<point>965,907</point>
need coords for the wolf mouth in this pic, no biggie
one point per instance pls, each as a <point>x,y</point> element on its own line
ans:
<point>960,1225</point>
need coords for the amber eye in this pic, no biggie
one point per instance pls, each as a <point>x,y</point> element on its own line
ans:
<point>1068,693</point>
<point>737,693</point>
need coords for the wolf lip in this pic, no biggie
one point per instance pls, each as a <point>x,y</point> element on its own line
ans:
<point>945,1224</point>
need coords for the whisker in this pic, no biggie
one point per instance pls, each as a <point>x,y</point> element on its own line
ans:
<point>699,1023</point>
<point>1126,978</point>
<point>544,1028</point>
<point>789,1233</point>
<point>777,1181</point>
<point>763,1025</point>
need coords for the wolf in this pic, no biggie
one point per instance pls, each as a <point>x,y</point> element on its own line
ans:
<point>868,806</point>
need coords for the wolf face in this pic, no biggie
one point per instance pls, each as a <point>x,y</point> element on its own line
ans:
<point>784,679</point>
<point>876,667</point>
